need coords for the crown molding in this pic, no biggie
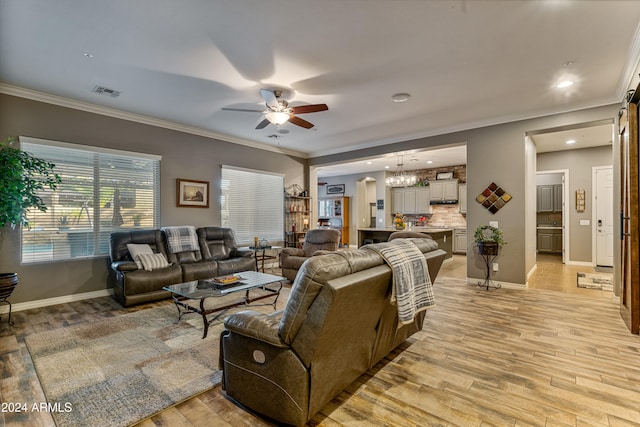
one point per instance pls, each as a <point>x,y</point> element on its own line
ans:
<point>138,118</point>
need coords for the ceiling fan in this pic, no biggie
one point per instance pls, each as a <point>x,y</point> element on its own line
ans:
<point>279,112</point>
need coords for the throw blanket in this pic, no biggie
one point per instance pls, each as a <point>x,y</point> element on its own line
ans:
<point>412,289</point>
<point>181,239</point>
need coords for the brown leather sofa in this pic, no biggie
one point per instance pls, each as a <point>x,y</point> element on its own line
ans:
<point>217,255</point>
<point>319,239</point>
<point>338,323</point>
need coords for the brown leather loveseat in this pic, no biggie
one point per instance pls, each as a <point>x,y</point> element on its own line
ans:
<point>338,322</point>
<point>215,255</point>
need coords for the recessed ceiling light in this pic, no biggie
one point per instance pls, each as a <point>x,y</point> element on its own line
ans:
<point>386,167</point>
<point>571,141</point>
<point>369,163</point>
<point>400,97</point>
<point>429,161</point>
<point>564,83</point>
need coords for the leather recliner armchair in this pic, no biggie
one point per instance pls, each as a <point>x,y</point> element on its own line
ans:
<point>291,259</point>
<point>338,322</point>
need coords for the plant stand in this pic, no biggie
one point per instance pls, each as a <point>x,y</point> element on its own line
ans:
<point>8,282</point>
<point>489,253</point>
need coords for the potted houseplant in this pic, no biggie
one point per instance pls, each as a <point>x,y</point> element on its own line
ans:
<point>488,239</point>
<point>22,177</point>
<point>137,219</point>
<point>64,222</point>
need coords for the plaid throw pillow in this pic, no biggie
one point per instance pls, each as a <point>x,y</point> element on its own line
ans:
<point>153,261</point>
<point>137,249</point>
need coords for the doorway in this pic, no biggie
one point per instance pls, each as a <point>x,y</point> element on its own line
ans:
<point>552,227</point>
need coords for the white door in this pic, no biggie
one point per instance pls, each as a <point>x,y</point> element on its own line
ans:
<point>604,216</point>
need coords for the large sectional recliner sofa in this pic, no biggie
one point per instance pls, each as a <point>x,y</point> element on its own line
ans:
<point>216,255</point>
<point>339,321</point>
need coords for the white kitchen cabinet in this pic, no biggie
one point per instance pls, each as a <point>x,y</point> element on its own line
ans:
<point>411,200</point>
<point>444,190</point>
<point>460,241</point>
<point>462,198</point>
<point>423,200</point>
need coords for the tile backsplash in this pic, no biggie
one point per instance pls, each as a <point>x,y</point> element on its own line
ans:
<point>442,216</point>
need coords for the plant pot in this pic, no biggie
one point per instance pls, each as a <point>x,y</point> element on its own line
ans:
<point>8,282</point>
<point>488,248</point>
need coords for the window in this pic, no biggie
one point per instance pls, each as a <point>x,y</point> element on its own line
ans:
<point>102,191</point>
<point>252,204</point>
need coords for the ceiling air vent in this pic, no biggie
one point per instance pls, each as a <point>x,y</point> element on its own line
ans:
<point>106,91</point>
<point>274,136</point>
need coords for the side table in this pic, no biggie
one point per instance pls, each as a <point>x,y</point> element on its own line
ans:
<point>260,254</point>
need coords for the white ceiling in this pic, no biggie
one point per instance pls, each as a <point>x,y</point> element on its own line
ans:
<point>465,63</point>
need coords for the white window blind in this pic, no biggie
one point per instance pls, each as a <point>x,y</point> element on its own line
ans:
<point>102,191</point>
<point>252,204</point>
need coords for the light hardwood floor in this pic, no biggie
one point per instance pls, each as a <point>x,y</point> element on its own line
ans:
<point>544,356</point>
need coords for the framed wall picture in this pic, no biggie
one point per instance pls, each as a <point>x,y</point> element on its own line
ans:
<point>335,189</point>
<point>191,193</point>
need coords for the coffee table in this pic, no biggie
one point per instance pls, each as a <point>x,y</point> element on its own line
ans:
<point>200,290</point>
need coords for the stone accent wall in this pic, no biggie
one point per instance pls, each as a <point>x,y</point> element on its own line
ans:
<point>459,173</point>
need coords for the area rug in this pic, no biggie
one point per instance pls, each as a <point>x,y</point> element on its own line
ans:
<point>595,281</point>
<point>121,370</point>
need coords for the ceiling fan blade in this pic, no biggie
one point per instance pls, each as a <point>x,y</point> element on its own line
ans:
<point>302,109</point>
<point>270,98</point>
<point>300,122</point>
<point>242,109</point>
<point>263,124</point>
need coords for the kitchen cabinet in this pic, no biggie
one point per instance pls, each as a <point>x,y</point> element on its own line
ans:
<point>444,190</point>
<point>460,241</point>
<point>549,198</point>
<point>462,198</point>
<point>549,240</point>
<point>411,200</point>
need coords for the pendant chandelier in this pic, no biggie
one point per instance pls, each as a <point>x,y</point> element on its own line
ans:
<point>400,178</point>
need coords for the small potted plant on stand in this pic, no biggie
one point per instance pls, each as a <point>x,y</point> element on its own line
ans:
<point>22,177</point>
<point>488,239</point>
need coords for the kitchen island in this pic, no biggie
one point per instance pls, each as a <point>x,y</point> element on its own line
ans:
<point>443,236</point>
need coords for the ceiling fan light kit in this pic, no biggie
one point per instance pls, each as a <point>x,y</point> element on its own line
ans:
<point>278,111</point>
<point>277,117</point>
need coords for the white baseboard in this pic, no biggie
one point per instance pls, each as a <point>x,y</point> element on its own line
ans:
<point>580,263</point>
<point>474,281</point>
<point>4,308</point>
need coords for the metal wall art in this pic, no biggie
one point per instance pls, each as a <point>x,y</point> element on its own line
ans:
<point>493,198</point>
<point>580,200</point>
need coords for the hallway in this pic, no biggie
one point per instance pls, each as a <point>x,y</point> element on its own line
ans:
<point>551,274</point>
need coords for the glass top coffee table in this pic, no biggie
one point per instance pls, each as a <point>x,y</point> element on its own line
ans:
<point>200,290</point>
